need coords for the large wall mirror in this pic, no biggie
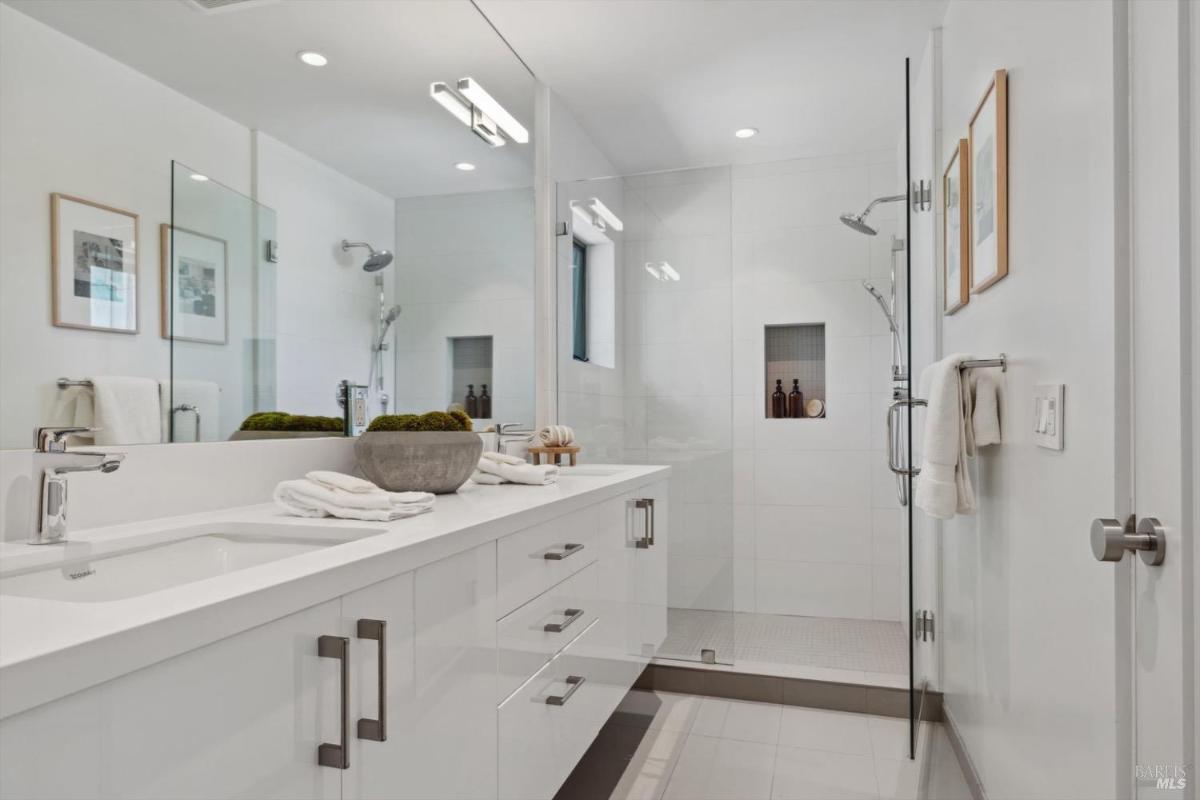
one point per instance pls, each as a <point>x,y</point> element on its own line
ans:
<point>212,211</point>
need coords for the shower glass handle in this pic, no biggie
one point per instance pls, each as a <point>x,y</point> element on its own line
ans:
<point>894,444</point>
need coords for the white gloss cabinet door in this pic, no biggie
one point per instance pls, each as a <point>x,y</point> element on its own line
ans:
<point>454,712</point>
<point>240,718</point>
<point>381,769</point>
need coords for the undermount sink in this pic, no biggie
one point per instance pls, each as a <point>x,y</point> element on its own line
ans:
<point>90,572</point>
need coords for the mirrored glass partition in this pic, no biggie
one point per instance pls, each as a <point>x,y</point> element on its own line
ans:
<point>263,230</point>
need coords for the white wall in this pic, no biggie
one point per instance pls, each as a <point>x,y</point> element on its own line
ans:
<point>1028,628</point>
<point>76,121</point>
<point>464,267</point>
<point>327,307</point>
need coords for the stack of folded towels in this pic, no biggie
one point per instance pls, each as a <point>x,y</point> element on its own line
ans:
<point>499,468</point>
<point>332,494</point>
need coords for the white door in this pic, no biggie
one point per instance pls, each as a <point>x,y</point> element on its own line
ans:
<point>1162,371</point>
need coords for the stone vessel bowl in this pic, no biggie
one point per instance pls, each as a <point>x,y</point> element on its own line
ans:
<point>418,461</point>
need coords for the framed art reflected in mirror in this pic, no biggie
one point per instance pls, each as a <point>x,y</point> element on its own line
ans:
<point>93,265</point>
<point>194,286</point>
<point>956,230</point>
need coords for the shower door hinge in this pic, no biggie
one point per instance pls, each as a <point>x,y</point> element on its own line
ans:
<point>560,229</point>
<point>923,625</point>
<point>922,195</point>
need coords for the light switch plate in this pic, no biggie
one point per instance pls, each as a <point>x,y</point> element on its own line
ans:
<point>1048,414</point>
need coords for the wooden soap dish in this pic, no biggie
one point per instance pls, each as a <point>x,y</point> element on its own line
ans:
<point>557,452</point>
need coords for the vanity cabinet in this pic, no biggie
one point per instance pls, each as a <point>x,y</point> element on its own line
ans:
<point>485,674</point>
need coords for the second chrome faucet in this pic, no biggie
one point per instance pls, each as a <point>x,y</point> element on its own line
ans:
<point>55,463</point>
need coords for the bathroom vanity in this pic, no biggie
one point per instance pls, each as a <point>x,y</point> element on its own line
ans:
<point>473,652</point>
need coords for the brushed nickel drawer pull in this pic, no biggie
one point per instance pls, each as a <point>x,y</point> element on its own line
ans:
<point>568,550</point>
<point>572,615</point>
<point>375,730</point>
<point>574,681</point>
<point>647,539</point>
<point>337,755</point>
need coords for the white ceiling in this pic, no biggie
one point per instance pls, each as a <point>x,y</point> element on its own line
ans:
<point>661,84</point>
<point>366,114</point>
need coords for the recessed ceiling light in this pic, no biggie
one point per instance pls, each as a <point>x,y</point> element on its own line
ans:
<point>312,58</point>
<point>745,133</point>
<point>465,166</point>
<point>196,176</point>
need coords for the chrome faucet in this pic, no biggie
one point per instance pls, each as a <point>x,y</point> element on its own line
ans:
<point>51,456</point>
<point>511,432</point>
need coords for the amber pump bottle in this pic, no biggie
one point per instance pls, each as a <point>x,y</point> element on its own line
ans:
<point>795,400</point>
<point>485,403</point>
<point>779,407</point>
<point>472,402</point>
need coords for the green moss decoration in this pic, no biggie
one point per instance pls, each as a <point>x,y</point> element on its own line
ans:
<point>280,421</point>
<point>462,418</point>
<point>433,421</point>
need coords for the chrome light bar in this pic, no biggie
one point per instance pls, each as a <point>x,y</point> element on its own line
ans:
<point>479,111</point>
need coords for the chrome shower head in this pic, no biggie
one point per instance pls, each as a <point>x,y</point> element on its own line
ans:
<point>377,260</point>
<point>858,222</point>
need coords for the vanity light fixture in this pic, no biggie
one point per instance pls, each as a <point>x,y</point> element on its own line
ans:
<point>662,271</point>
<point>465,166</point>
<point>312,58</point>
<point>474,107</point>
<point>196,176</point>
<point>745,133</point>
<point>597,214</point>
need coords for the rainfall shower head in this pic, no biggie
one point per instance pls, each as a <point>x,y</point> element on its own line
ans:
<point>377,260</point>
<point>858,222</point>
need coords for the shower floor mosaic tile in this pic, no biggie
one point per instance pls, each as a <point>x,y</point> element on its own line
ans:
<point>788,645</point>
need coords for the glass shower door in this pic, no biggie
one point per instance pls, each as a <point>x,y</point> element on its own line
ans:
<point>645,374</point>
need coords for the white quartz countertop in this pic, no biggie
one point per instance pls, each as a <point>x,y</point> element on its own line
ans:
<point>51,648</point>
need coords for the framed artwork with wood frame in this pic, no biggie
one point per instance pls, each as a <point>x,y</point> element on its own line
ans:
<point>956,230</point>
<point>93,265</point>
<point>987,144</point>
<point>195,286</point>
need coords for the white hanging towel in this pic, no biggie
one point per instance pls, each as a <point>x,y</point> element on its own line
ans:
<point>74,407</point>
<point>944,485</point>
<point>127,410</point>
<point>985,419</point>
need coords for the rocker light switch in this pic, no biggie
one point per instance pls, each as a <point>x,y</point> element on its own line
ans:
<point>1048,415</point>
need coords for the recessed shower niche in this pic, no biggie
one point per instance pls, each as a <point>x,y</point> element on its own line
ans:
<point>471,374</point>
<point>794,370</point>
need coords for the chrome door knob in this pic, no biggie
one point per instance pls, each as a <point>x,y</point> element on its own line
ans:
<point>1110,540</point>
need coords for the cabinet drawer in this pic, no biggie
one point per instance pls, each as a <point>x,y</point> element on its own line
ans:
<point>531,561</point>
<point>541,741</point>
<point>524,641</point>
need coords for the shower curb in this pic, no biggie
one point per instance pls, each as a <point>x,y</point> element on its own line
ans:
<point>855,697</point>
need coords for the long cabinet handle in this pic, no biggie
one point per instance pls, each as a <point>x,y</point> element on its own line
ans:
<point>568,550</point>
<point>376,729</point>
<point>573,614</point>
<point>647,539</point>
<point>337,755</point>
<point>574,681</point>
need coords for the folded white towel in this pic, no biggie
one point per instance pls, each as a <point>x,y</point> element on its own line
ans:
<point>519,473</point>
<point>985,421</point>
<point>127,410</point>
<point>486,479</point>
<point>556,436</point>
<point>503,458</point>
<point>307,498</point>
<point>944,486</point>
<point>340,480</point>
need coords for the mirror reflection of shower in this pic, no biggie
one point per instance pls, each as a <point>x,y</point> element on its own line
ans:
<point>376,261</point>
<point>858,222</point>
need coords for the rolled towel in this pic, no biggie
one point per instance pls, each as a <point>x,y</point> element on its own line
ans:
<point>556,436</point>
<point>520,473</point>
<point>306,498</point>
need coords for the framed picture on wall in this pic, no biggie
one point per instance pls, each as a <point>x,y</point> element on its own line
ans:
<point>987,140</point>
<point>93,265</point>
<point>195,281</point>
<point>956,230</point>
